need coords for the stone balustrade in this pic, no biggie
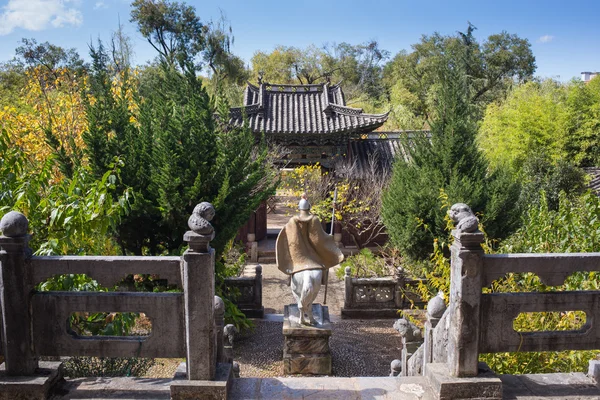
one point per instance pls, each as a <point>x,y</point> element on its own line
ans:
<point>378,297</point>
<point>247,291</point>
<point>477,322</point>
<point>184,324</point>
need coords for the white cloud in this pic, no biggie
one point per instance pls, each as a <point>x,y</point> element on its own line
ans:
<point>37,15</point>
<point>100,4</point>
<point>545,39</point>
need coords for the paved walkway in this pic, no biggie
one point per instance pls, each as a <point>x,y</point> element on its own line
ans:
<point>520,387</point>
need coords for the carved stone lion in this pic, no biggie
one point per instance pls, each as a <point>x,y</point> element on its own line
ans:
<point>199,221</point>
<point>464,218</point>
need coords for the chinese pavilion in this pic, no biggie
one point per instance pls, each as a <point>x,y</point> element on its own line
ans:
<point>312,121</point>
<point>314,124</point>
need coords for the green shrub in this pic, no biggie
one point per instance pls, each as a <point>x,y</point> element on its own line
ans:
<point>365,264</point>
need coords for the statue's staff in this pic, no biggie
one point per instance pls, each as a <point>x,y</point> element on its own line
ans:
<point>326,274</point>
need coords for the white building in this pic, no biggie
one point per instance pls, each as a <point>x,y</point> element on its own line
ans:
<point>588,76</point>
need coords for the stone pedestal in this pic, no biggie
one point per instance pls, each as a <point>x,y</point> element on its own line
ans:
<point>32,387</point>
<point>306,348</point>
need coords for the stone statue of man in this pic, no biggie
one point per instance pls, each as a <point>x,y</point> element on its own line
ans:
<point>304,251</point>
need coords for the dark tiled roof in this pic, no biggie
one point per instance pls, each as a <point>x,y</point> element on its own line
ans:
<point>302,109</point>
<point>379,149</point>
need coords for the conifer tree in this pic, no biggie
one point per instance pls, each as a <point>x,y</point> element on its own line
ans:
<point>175,152</point>
<point>447,161</point>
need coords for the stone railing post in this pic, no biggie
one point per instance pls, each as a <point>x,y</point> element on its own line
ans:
<point>435,309</point>
<point>465,298</point>
<point>258,287</point>
<point>399,289</point>
<point>219,325</point>
<point>348,300</point>
<point>17,339</point>
<point>198,277</point>
<point>411,341</point>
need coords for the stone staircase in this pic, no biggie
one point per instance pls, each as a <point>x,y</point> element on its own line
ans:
<point>406,388</point>
<point>266,247</point>
<point>514,387</point>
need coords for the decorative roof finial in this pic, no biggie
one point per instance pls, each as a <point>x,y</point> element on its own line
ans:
<point>261,75</point>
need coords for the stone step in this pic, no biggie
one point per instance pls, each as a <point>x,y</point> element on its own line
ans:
<point>273,232</point>
<point>405,388</point>
<point>266,259</point>
<point>114,388</point>
<point>519,387</point>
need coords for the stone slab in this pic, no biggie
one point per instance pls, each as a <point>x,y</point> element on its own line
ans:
<point>183,389</point>
<point>35,387</point>
<point>574,385</point>
<point>303,345</point>
<point>307,364</point>
<point>115,388</point>
<point>291,326</point>
<point>365,388</point>
<point>356,313</point>
<point>484,386</point>
<point>309,388</point>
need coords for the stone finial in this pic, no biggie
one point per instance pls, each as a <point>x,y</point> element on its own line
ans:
<point>408,330</point>
<point>395,367</point>
<point>199,221</point>
<point>14,224</point>
<point>202,232</point>
<point>348,271</point>
<point>258,270</point>
<point>464,218</point>
<point>219,306</point>
<point>229,333</point>
<point>436,306</point>
<point>236,369</point>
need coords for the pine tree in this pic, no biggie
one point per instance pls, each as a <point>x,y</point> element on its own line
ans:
<point>447,160</point>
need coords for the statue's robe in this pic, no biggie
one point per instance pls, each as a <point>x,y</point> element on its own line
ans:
<point>303,245</point>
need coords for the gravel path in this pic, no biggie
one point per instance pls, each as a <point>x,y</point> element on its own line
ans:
<point>358,348</point>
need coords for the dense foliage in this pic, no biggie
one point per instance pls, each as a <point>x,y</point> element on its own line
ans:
<point>105,158</point>
<point>412,78</point>
<point>559,121</point>
<point>573,227</point>
<point>448,159</point>
<point>175,151</point>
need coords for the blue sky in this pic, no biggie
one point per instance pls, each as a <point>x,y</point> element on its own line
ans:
<point>565,36</point>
